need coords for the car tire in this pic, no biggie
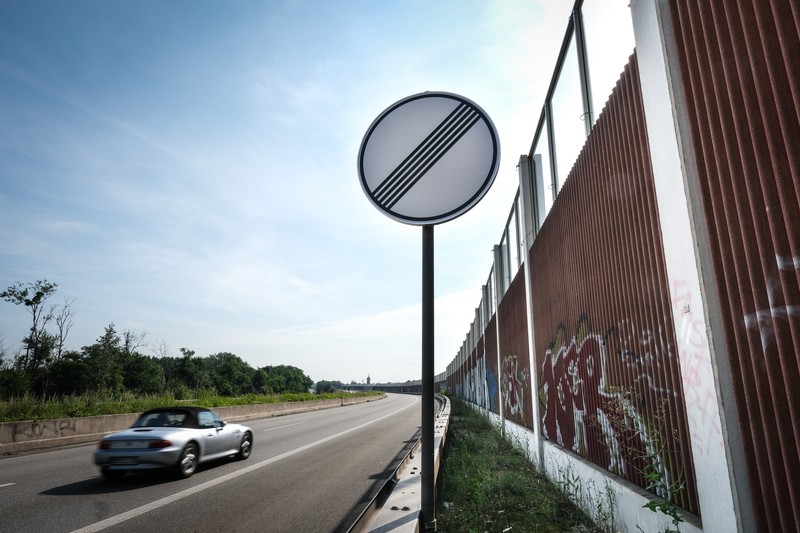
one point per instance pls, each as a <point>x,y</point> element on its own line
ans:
<point>111,475</point>
<point>245,447</point>
<point>189,459</point>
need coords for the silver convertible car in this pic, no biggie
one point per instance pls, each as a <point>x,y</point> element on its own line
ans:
<point>172,437</point>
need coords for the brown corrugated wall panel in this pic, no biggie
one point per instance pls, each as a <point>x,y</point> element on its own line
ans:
<point>490,343</point>
<point>740,70</point>
<point>475,379</point>
<point>480,378</point>
<point>610,385</point>
<point>515,371</point>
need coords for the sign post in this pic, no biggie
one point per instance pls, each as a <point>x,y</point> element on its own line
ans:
<point>428,492</point>
<point>425,160</point>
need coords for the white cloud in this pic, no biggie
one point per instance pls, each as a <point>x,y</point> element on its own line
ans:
<point>69,226</point>
<point>212,199</point>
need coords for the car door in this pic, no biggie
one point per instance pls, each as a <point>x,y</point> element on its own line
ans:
<point>216,439</point>
<point>226,434</point>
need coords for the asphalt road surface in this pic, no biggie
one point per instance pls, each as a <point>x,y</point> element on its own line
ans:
<point>310,472</point>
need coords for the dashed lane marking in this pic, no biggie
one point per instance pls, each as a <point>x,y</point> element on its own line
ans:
<point>286,426</point>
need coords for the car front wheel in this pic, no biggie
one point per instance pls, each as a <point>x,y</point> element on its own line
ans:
<point>188,462</point>
<point>246,447</point>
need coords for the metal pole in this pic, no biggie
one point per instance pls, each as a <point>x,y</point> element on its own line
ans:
<point>428,484</point>
<point>583,68</point>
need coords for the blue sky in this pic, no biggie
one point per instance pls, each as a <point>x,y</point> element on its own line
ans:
<point>187,169</point>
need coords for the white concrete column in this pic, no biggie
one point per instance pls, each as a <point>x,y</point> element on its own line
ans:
<point>499,292</point>
<point>528,193</point>
<point>693,298</point>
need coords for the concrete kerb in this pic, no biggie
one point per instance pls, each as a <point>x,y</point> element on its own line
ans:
<point>32,435</point>
<point>400,512</point>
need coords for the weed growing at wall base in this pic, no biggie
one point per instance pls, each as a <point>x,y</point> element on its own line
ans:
<point>600,502</point>
<point>647,443</point>
<point>489,486</point>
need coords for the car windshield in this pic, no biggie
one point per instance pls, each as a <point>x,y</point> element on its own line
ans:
<point>161,419</point>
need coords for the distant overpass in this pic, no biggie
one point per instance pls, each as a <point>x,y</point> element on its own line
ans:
<point>408,387</point>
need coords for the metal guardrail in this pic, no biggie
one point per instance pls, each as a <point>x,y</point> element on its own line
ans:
<point>397,506</point>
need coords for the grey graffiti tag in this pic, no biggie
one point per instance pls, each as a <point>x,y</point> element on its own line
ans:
<point>42,429</point>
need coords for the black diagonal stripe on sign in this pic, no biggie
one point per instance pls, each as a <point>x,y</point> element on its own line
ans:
<point>426,154</point>
<point>430,150</point>
<point>434,157</point>
<point>434,150</point>
<point>396,177</point>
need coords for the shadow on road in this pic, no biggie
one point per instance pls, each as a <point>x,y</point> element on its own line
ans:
<point>376,490</point>
<point>99,485</point>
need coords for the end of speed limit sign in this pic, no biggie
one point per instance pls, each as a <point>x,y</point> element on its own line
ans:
<point>429,158</point>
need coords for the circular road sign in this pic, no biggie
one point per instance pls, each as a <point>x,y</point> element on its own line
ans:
<point>429,158</point>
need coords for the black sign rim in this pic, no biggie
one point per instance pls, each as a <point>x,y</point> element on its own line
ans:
<point>465,206</point>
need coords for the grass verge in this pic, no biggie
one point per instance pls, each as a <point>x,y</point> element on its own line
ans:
<point>487,485</point>
<point>106,403</point>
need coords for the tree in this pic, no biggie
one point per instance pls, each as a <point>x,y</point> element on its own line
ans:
<point>230,374</point>
<point>161,349</point>
<point>188,373</point>
<point>285,379</point>
<point>13,383</point>
<point>2,351</point>
<point>64,324</point>
<point>40,362</point>
<point>70,374</point>
<point>328,386</point>
<point>33,296</point>
<point>324,386</point>
<point>132,340</point>
<point>261,382</point>
<point>142,374</point>
<point>105,359</point>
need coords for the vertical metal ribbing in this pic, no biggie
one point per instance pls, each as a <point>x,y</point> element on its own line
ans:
<point>490,346</point>
<point>737,62</point>
<point>599,277</point>
<point>514,342</point>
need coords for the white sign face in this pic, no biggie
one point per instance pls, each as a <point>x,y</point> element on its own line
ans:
<point>429,158</point>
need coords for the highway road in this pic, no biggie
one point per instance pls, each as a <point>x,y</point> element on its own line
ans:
<point>308,472</point>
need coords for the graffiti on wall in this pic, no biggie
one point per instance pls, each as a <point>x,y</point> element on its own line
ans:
<point>470,385</point>
<point>491,389</point>
<point>480,384</point>
<point>24,431</point>
<point>775,320</point>
<point>585,411</point>
<point>698,384</point>
<point>515,384</point>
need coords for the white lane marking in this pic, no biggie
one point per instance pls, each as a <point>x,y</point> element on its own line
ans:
<point>6,485</point>
<point>286,426</point>
<point>152,506</point>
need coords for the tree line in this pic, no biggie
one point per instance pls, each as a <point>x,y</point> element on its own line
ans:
<point>44,367</point>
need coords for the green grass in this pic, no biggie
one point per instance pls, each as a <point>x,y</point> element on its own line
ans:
<point>487,485</point>
<point>32,408</point>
